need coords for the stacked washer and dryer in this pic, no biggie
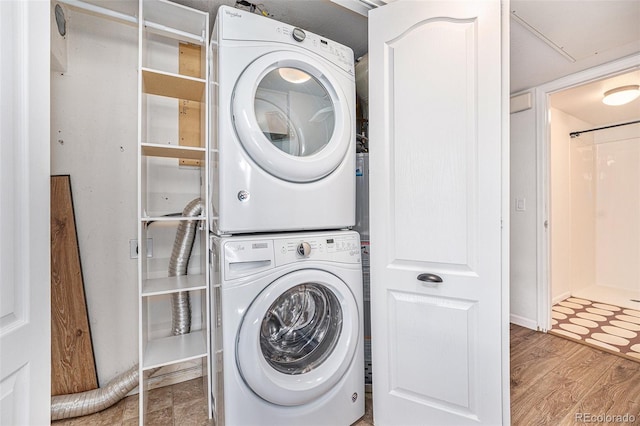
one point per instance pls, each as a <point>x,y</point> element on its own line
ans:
<point>287,320</point>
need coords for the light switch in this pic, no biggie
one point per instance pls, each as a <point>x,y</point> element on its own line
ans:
<point>521,204</point>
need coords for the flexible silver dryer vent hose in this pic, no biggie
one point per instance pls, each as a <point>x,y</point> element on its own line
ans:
<point>178,264</point>
<point>89,402</point>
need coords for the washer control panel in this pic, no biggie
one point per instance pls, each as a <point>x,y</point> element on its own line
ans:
<point>245,256</point>
<point>335,248</point>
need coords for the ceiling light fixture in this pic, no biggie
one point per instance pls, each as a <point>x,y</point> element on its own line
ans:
<point>293,75</point>
<point>621,95</point>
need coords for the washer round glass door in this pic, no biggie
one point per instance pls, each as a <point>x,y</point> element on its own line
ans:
<point>291,116</point>
<point>298,337</point>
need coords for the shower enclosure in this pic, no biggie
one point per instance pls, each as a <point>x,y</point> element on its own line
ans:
<point>595,212</point>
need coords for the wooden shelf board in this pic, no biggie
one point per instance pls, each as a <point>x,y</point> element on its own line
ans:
<point>172,151</point>
<point>172,85</point>
<point>168,285</point>
<point>174,349</point>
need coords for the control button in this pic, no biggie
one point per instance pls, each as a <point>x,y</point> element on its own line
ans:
<point>298,34</point>
<point>304,249</point>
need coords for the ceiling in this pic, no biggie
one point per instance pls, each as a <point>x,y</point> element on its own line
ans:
<point>585,101</point>
<point>549,39</point>
<point>554,38</point>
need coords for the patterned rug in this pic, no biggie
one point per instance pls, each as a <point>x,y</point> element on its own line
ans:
<point>611,328</point>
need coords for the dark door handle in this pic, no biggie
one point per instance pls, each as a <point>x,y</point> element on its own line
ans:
<point>430,278</point>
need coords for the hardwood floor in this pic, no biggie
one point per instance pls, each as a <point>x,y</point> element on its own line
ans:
<point>555,381</point>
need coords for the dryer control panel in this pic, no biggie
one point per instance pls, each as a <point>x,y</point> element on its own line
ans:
<point>242,25</point>
<point>331,50</point>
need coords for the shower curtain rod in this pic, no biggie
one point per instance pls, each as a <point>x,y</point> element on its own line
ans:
<point>577,134</point>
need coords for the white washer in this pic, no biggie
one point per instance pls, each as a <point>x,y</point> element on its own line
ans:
<point>283,132</point>
<point>287,329</point>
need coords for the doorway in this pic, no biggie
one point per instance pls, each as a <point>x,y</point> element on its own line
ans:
<point>594,197</point>
<point>587,224</point>
<point>593,211</point>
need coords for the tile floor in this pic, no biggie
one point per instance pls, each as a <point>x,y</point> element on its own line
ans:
<point>367,419</point>
<point>182,404</point>
<point>612,328</point>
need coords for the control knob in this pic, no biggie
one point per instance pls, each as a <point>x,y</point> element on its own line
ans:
<point>298,34</point>
<point>304,249</point>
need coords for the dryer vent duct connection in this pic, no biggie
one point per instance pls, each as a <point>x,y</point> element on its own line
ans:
<point>84,403</point>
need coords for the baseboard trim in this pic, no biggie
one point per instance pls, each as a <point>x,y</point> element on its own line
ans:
<point>523,322</point>
<point>560,298</point>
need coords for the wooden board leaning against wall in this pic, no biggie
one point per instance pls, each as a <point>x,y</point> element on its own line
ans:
<point>73,367</point>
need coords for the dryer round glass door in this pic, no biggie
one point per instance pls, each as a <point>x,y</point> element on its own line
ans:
<point>291,116</point>
<point>298,337</point>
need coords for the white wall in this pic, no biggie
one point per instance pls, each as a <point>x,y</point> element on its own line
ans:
<point>523,272</point>
<point>571,237</point>
<point>94,139</point>
<point>582,214</point>
<point>559,206</point>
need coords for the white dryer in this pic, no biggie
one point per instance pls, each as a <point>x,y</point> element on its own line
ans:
<point>287,329</point>
<point>283,138</point>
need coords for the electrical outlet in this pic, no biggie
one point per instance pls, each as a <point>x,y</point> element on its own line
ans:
<point>133,248</point>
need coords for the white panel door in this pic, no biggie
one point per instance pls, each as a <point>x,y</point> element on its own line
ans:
<point>437,289</point>
<point>25,345</point>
